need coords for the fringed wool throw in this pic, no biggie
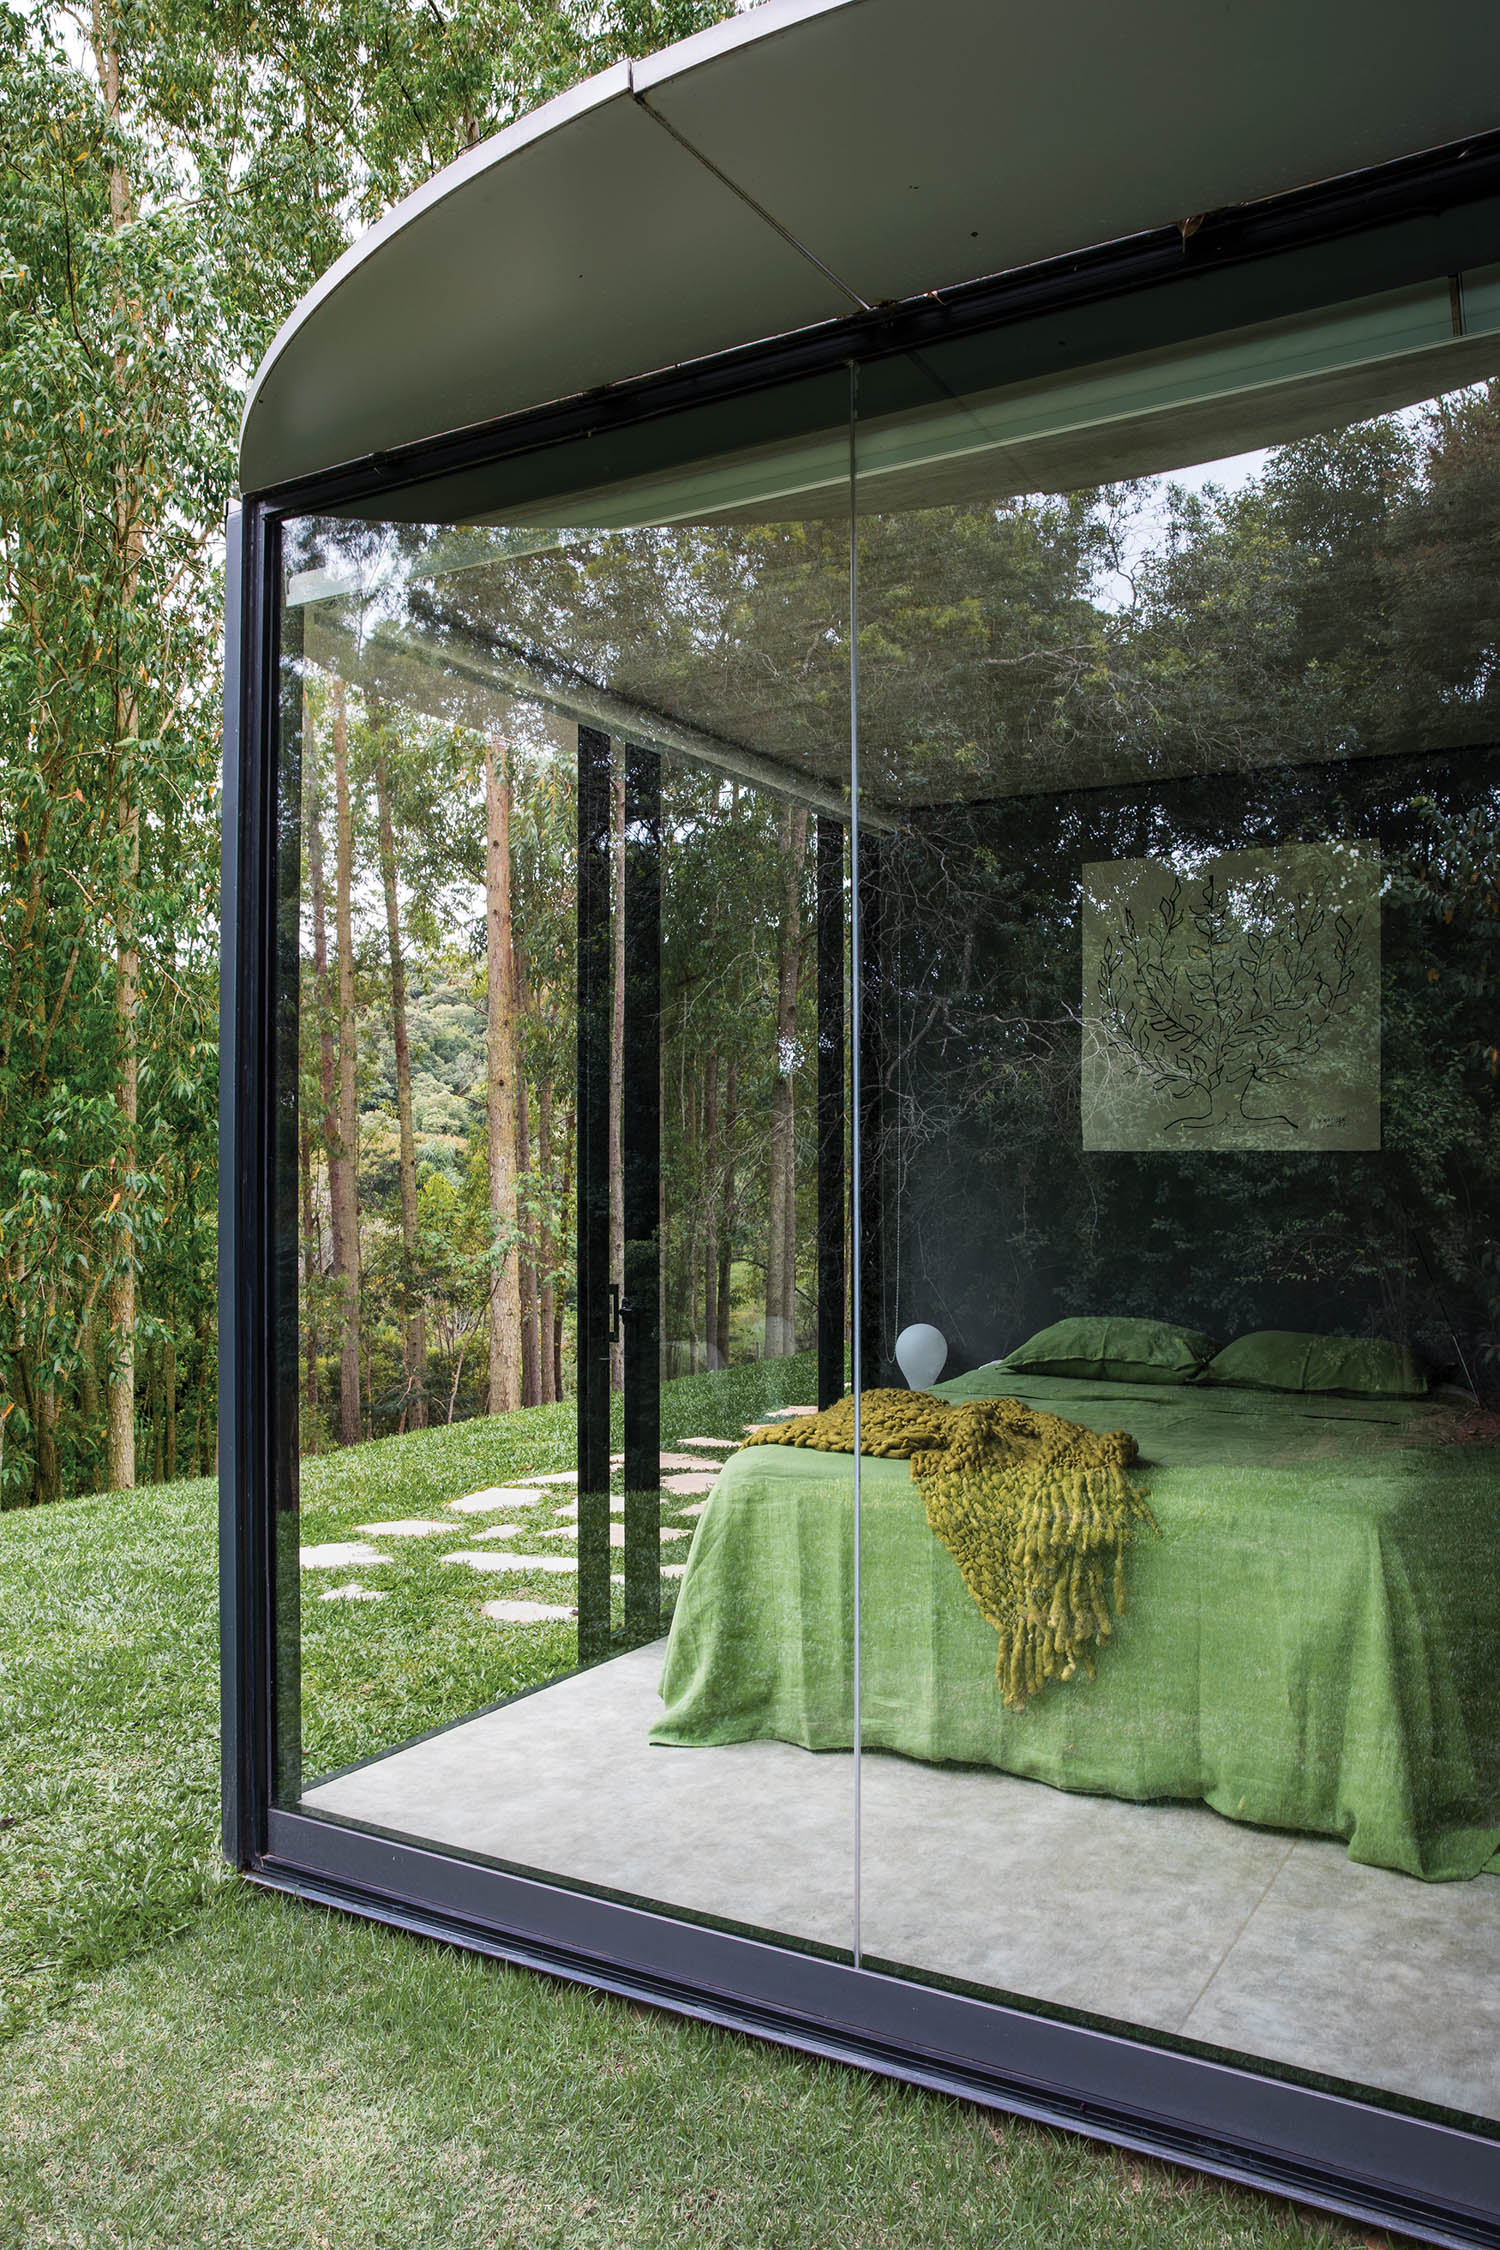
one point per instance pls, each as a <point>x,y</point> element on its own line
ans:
<point>1036,1512</point>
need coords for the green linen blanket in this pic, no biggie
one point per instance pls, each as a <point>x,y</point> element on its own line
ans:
<point>1036,1512</point>
<point>1312,1643</point>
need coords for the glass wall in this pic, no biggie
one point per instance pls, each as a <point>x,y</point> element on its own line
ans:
<point>1117,1121</point>
<point>570,812</point>
<point>1181,1631</point>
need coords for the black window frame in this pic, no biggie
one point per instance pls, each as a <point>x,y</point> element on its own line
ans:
<point>1401,2166</point>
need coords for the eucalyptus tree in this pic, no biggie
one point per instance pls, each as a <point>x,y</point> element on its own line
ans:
<point>172,177</point>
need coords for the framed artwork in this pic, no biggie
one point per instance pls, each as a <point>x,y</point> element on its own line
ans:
<point>1232,1001</point>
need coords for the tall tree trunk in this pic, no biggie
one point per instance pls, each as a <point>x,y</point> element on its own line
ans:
<point>153,1411</point>
<point>104,31</point>
<point>88,1383</point>
<point>500,1084</point>
<point>617,1053</point>
<point>46,1480</point>
<point>545,1250</point>
<point>781,1275</point>
<point>569,1130</point>
<point>344,1166</point>
<point>414,1331</point>
<point>531,1391</point>
<point>169,1399</point>
<point>120,1424</point>
<point>309,1268</point>
<point>47,1454</point>
<point>726,1202</point>
<point>326,1002</point>
<point>710,1213</point>
<point>200,1397</point>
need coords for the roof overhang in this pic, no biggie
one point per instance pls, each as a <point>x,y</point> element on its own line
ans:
<point>816,157</point>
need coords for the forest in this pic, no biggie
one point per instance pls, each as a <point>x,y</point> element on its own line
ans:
<point>169,184</point>
<point>437,1068</point>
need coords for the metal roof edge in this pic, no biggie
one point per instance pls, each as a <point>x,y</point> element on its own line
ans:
<point>619,81</point>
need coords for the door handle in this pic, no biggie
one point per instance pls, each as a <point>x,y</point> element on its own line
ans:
<point>619,1312</point>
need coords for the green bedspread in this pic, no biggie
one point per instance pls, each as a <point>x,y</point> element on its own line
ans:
<point>1313,1642</point>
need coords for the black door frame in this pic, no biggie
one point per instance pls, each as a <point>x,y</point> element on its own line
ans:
<point>1336,2146</point>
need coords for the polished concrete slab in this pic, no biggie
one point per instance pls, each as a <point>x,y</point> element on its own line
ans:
<point>1160,1915</point>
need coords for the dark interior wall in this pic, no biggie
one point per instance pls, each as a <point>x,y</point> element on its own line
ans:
<point>992,1218</point>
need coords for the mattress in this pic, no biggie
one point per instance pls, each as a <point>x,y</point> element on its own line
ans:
<point>1311,1641</point>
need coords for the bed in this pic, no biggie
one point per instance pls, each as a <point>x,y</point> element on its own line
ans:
<point>1312,1642</point>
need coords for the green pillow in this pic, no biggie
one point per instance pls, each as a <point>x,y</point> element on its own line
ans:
<point>1117,1351</point>
<point>1283,1359</point>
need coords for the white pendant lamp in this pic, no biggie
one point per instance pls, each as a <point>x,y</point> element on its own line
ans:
<point>920,1353</point>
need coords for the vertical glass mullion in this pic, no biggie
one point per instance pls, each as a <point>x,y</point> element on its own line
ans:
<point>831,1109</point>
<point>284,870</point>
<point>593,1315</point>
<point>856,1033</point>
<point>640,1157</point>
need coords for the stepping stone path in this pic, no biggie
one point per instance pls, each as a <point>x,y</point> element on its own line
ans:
<point>726,1444</point>
<point>337,1554</point>
<point>702,1480</point>
<point>525,1613</point>
<point>505,1531</point>
<point>480,1558</point>
<point>404,1527</point>
<point>495,1497</point>
<point>683,1461</point>
<point>353,1592</point>
<point>694,1508</point>
<point>557,1476</point>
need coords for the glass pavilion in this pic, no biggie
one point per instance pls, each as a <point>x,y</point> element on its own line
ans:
<point>864,694</point>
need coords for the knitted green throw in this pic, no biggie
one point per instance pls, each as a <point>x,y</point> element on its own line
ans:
<point>1036,1512</point>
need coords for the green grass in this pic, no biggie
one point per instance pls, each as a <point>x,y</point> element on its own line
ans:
<point>377,1673</point>
<point>184,2060</point>
<point>109,1772</point>
<point>283,2077</point>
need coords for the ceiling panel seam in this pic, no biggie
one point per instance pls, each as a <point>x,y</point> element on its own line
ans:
<point>861,304</point>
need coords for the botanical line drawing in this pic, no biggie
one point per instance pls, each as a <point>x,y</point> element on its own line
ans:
<point>1234,1004</point>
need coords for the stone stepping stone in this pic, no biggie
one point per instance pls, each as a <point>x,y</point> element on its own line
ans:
<point>703,1480</point>
<point>673,1569</point>
<point>337,1554</point>
<point>556,1476</point>
<point>495,1497</point>
<point>481,1558</point>
<point>525,1613</point>
<point>726,1444</point>
<point>683,1461</point>
<point>404,1527</point>
<point>693,1508</point>
<point>505,1531</point>
<point>353,1592</point>
<point>780,1413</point>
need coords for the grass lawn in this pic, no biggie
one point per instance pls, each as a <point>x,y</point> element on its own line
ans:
<point>184,2060</point>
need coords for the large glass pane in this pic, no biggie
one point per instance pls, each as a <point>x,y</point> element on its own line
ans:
<point>562,805</point>
<point>1179,789</point>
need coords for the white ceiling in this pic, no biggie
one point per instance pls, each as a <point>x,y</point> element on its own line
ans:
<point>900,147</point>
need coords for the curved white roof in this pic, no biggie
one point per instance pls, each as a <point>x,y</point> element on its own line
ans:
<point>814,156</point>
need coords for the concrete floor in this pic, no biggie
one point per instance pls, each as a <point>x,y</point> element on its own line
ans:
<point>1160,1915</point>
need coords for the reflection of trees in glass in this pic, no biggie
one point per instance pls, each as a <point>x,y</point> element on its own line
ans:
<point>1222,997</point>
